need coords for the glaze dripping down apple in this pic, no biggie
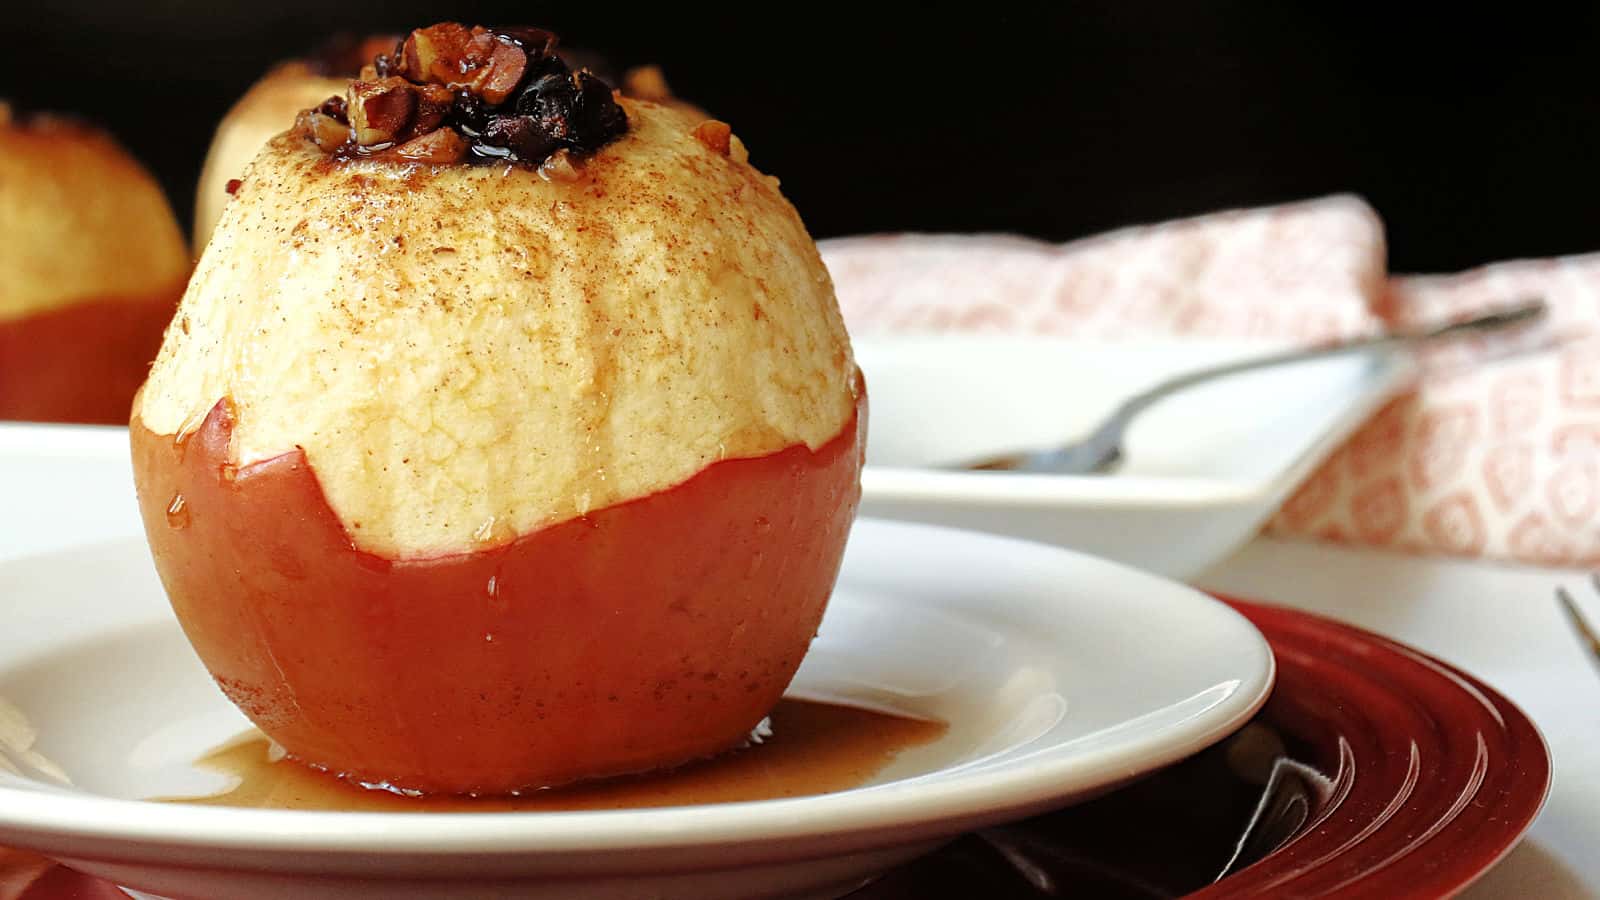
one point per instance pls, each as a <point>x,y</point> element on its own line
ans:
<point>494,477</point>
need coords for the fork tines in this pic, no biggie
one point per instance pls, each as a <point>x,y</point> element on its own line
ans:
<point>1580,623</point>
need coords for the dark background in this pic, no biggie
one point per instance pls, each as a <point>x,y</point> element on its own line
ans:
<point>1475,134</point>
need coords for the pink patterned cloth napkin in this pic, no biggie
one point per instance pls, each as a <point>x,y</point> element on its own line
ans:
<point>1492,455</point>
<point>1305,271</point>
<point>1488,457</point>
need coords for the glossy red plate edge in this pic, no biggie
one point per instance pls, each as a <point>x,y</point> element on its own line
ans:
<point>1436,776</point>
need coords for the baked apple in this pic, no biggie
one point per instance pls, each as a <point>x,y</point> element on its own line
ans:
<point>272,102</point>
<point>266,109</point>
<point>94,264</point>
<point>508,433</point>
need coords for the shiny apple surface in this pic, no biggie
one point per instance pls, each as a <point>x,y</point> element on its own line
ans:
<point>641,635</point>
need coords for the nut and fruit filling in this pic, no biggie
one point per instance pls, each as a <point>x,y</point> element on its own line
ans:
<point>449,93</point>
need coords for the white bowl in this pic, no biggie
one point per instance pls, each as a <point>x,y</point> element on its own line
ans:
<point>1202,470</point>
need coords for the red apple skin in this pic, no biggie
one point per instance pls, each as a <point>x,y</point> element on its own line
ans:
<point>81,362</point>
<point>642,635</point>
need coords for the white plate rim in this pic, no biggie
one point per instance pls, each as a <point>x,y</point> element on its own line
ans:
<point>966,799</point>
<point>62,438</point>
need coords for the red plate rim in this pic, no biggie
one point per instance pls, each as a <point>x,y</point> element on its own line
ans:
<point>1436,776</point>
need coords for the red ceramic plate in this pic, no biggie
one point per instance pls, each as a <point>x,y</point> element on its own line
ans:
<point>1424,778</point>
<point>1427,778</point>
<point>1435,776</point>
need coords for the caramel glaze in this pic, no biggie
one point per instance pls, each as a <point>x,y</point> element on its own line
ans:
<point>814,748</point>
<point>83,361</point>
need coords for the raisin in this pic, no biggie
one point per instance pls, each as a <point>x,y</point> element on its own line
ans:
<point>549,102</point>
<point>391,63</point>
<point>550,65</point>
<point>573,60</point>
<point>522,136</point>
<point>536,42</point>
<point>470,114</point>
<point>596,118</point>
<point>336,108</point>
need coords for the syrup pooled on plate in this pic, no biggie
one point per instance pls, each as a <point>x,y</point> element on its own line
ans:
<point>814,748</point>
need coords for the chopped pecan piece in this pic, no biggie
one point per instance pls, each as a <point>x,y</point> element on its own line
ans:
<point>434,102</point>
<point>381,110</point>
<point>439,147</point>
<point>436,53</point>
<point>329,134</point>
<point>558,166</point>
<point>507,62</point>
<point>715,135</point>
<point>476,59</point>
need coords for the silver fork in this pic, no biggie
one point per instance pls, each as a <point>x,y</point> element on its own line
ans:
<point>1580,623</point>
<point>1103,447</point>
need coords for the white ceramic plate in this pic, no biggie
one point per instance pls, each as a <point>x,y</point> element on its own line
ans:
<point>1202,470</point>
<point>62,485</point>
<point>1059,675</point>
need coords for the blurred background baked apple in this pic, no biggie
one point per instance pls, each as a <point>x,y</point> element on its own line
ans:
<point>507,435</point>
<point>268,108</point>
<point>93,264</point>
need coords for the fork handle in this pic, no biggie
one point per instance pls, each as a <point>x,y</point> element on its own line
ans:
<point>1103,445</point>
